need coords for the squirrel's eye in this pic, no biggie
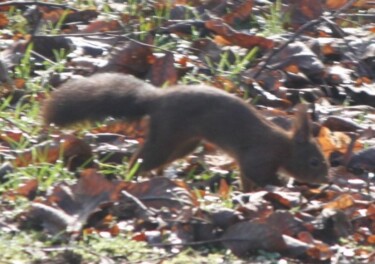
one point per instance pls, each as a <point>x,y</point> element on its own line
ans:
<point>314,162</point>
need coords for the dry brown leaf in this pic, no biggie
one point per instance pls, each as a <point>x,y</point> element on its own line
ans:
<point>76,152</point>
<point>335,4</point>
<point>224,190</point>
<point>286,223</point>
<point>303,11</point>
<point>135,58</point>
<point>245,238</point>
<point>4,21</point>
<point>335,141</point>
<point>239,13</point>
<point>161,192</point>
<point>237,38</point>
<point>363,160</point>
<point>320,252</point>
<point>102,26</point>
<point>26,189</point>
<point>163,71</point>
<point>344,201</point>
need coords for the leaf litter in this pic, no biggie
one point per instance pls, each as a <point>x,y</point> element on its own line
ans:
<point>323,55</point>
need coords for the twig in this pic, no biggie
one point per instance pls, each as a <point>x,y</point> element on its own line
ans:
<point>11,3</point>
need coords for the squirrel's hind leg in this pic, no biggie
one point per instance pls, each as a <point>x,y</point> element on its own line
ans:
<point>158,152</point>
<point>184,149</point>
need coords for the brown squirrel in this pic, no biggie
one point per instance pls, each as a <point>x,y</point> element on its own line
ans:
<point>180,117</point>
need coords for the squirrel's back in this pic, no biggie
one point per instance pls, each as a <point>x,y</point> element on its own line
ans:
<point>190,111</point>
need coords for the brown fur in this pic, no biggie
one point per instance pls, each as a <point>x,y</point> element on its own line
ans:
<point>182,116</point>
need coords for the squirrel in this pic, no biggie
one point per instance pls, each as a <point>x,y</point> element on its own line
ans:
<point>182,116</point>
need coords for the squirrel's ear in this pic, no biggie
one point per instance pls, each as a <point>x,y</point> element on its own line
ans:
<point>302,124</point>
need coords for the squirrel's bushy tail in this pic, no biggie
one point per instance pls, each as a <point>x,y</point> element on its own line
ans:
<point>99,96</point>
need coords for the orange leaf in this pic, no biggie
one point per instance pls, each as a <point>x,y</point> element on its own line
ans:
<point>28,188</point>
<point>20,82</point>
<point>221,41</point>
<point>371,239</point>
<point>53,15</point>
<point>224,189</point>
<point>292,69</point>
<point>239,13</point>
<point>335,141</point>
<point>102,26</point>
<point>4,21</point>
<point>237,38</point>
<point>335,4</point>
<point>342,202</point>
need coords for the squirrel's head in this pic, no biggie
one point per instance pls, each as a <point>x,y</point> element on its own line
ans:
<point>306,162</point>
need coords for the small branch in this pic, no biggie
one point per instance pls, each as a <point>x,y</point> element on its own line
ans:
<point>27,3</point>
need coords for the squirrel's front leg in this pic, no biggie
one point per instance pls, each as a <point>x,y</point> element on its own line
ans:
<point>258,171</point>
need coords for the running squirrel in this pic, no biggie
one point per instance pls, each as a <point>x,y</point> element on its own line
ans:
<point>180,117</point>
